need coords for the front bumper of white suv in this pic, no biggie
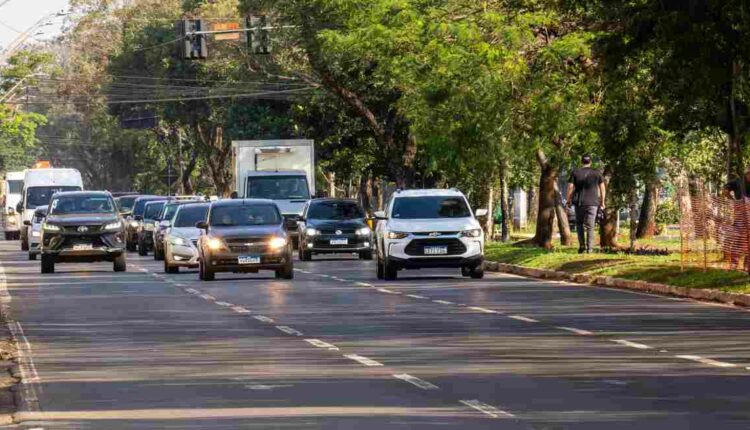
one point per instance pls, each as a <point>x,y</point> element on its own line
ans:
<point>425,250</point>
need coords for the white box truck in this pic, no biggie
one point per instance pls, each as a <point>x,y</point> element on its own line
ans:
<point>38,187</point>
<point>11,195</point>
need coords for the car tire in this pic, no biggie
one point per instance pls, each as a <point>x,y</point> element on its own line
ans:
<point>306,256</point>
<point>205,273</point>
<point>130,246</point>
<point>32,257</point>
<point>168,268</point>
<point>477,272</point>
<point>466,271</point>
<point>120,264</point>
<point>48,264</point>
<point>389,272</point>
<point>142,251</point>
<point>380,272</point>
<point>9,235</point>
<point>158,255</point>
<point>25,245</point>
<point>365,255</point>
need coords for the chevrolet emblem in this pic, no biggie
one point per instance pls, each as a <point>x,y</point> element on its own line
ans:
<point>83,229</point>
<point>434,234</point>
<point>338,232</point>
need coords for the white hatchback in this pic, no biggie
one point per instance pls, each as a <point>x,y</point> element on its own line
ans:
<point>429,228</point>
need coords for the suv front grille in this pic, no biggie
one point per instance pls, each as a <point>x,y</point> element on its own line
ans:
<point>74,228</point>
<point>253,244</point>
<point>416,246</point>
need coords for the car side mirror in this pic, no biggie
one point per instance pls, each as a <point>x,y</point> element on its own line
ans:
<point>203,225</point>
<point>138,218</point>
<point>19,207</point>
<point>481,213</point>
<point>27,223</point>
<point>380,215</point>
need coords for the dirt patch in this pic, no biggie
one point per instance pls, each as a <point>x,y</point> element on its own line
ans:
<point>8,374</point>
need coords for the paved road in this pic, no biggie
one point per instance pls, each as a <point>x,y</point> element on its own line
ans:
<point>337,349</point>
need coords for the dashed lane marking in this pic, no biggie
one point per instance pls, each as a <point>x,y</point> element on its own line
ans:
<point>263,318</point>
<point>320,344</point>
<point>363,284</point>
<point>240,310</point>
<point>289,330</point>
<point>192,291</point>
<point>487,409</point>
<point>363,360</point>
<point>706,361</point>
<point>523,318</point>
<point>225,304</point>
<point>417,296</point>
<point>576,331</point>
<point>207,297</point>
<point>484,310</point>
<point>387,291</point>
<point>631,344</point>
<point>418,382</point>
<point>443,302</point>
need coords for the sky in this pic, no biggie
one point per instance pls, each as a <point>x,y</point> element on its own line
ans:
<point>18,15</point>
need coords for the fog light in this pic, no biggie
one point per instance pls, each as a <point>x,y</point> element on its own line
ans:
<point>309,245</point>
<point>367,244</point>
<point>35,234</point>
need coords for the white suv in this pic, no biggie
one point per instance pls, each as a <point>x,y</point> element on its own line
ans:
<point>429,228</point>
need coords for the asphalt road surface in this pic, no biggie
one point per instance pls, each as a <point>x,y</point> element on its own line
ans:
<point>337,349</point>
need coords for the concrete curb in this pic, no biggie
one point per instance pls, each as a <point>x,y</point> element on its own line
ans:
<point>735,299</point>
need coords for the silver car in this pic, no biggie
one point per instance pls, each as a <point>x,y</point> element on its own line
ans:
<point>181,237</point>
<point>35,230</point>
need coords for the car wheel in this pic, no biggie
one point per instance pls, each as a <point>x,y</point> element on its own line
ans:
<point>466,271</point>
<point>32,257</point>
<point>158,255</point>
<point>168,268</point>
<point>9,235</point>
<point>130,246</point>
<point>365,255</point>
<point>48,264</point>
<point>389,272</point>
<point>24,245</point>
<point>477,272</point>
<point>379,265</point>
<point>120,264</point>
<point>142,251</point>
<point>205,273</point>
<point>306,256</point>
<point>287,272</point>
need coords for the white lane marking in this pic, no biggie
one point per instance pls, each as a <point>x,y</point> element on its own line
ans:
<point>576,331</point>
<point>487,409</point>
<point>207,297</point>
<point>485,310</point>
<point>192,291</point>
<point>387,291</point>
<point>523,318</point>
<point>320,344</point>
<point>240,310</point>
<point>363,360</point>
<point>324,276</point>
<point>289,330</point>
<point>417,296</point>
<point>225,304</point>
<point>615,382</point>
<point>443,302</point>
<point>421,383</point>
<point>263,318</point>
<point>338,279</point>
<point>631,344</point>
<point>707,361</point>
<point>180,285</point>
<point>363,284</point>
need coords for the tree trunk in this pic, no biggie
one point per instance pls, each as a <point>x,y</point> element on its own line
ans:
<point>545,221</point>
<point>365,192</point>
<point>489,223</point>
<point>331,179</point>
<point>608,228</point>
<point>735,163</point>
<point>407,175</point>
<point>533,205</point>
<point>647,220</point>
<point>566,239</point>
<point>504,209</point>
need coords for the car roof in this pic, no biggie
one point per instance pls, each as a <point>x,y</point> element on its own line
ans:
<point>428,192</point>
<point>155,202</point>
<point>333,200</point>
<point>289,172</point>
<point>82,193</point>
<point>192,204</point>
<point>241,202</point>
<point>150,197</point>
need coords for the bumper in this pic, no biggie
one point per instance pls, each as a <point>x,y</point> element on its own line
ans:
<point>435,262</point>
<point>229,262</point>
<point>322,245</point>
<point>411,253</point>
<point>181,255</point>
<point>102,246</point>
<point>70,255</point>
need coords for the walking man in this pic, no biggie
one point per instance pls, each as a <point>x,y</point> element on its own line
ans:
<point>587,192</point>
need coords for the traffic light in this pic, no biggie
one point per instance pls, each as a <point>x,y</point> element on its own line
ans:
<point>193,45</point>
<point>258,39</point>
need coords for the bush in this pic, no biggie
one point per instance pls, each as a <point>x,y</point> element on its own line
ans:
<point>667,213</point>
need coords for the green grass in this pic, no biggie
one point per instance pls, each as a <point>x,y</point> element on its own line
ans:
<point>658,269</point>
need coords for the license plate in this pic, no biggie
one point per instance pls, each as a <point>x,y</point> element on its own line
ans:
<point>248,259</point>
<point>339,241</point>
<point>435,250</point>
<point>83,247</point>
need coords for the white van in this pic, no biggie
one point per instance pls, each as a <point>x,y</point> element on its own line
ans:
<point>38,187</point>
<point>11,195</point>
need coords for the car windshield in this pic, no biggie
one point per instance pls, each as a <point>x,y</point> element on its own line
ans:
<point>335,210</point>
<point>188,216</point>
<point>168,211</point>
<point>429,207</point>
<point>278,188</point>
<point>140,205</point>
<point>244,215</point>
<point>41,196</point>
<point>153,210</point>
<point>126,203</point>
<point>82,204</point>
<point>15,187</point>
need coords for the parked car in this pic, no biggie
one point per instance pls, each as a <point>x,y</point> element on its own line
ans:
<point>35,233</point>
<point>83,226</point>
<point>147,226</point>
<point>331,226</point>
<point>162,224</point>
<point>244,235</point>
<point>12,192</point>
<point>429,228</point>
<point>134,220</point>
<point>181,238</point>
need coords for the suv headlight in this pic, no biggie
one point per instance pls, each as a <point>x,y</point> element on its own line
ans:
<point>312,232</point>
<point>178,241</point>
<point>113,225</point>
<point>397,235</point>
<point>149,226</point>
<point>364,231</point>
<point>477,232</point>
<point>277,243</point>
<point>133,224</point>
<point>50,227</point>
<point>214,243</point>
